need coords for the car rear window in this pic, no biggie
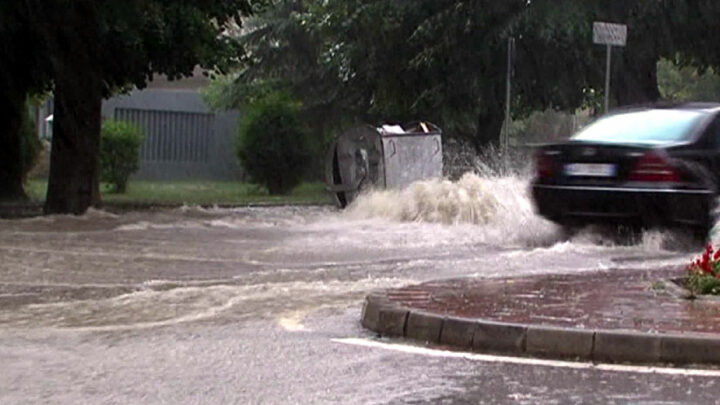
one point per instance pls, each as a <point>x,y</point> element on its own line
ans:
<point>644,127</point>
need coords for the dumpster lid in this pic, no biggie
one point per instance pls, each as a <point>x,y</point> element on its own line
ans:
<point>415,128</point>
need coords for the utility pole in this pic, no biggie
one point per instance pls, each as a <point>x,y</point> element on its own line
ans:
<point>607,78</point>
<point>505,139</point>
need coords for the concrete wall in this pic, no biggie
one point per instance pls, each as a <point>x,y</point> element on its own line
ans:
<point>183,138</point>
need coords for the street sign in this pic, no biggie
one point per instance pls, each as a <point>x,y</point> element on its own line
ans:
<point>609,34</point>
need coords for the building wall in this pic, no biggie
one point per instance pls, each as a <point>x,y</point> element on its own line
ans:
<point>184,139</point>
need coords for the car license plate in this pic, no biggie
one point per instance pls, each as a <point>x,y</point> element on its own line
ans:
<point>590,169</point>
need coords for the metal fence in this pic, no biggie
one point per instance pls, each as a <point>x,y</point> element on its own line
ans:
<point>171,136</point>
<point>183,138</point>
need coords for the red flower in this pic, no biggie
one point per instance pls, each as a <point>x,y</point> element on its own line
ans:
<point>706,262</point>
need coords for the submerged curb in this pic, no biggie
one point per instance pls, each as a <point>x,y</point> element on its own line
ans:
<point>34,209</point>
<point>390,319</point>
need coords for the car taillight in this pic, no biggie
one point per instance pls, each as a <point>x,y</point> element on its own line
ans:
<point>544,166</point>
<point>653,167</point>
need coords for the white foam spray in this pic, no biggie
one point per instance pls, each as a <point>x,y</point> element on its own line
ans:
<point>498,207</point>
<point>469,200</point>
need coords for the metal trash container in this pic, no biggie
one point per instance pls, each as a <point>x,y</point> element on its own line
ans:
<point>391,156</point>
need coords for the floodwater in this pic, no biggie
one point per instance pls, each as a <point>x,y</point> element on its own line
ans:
<point>251,305</point>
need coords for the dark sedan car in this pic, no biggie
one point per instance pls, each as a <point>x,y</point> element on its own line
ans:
<point>642,167</point>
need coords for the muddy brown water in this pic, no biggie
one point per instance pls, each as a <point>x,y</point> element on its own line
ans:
<point>177,305</point>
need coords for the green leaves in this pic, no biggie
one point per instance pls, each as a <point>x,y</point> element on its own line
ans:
<point>272,143</point>
<point>445,60</point>
<point>119,153</point>
<point>702,284</point>
<point>687,83</point>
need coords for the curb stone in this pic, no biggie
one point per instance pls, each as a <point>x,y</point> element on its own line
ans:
<point>391,319</point>
<point>681,349</point>
<point>457,332</point>
<point>627,346</point>
<point>424,326</point>
<point>500,337</point>
<point>371,310</point>
<point>560,342</point>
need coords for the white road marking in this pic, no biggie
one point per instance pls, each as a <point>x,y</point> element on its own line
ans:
<point>621,368</point>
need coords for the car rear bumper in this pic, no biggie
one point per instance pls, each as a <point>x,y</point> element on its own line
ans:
<point>650,207</point>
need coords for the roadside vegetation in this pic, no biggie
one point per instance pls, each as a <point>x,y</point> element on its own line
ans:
<point>106,47</point>
<point>119,153</point>
<point>196,193</point>
<point>703,276</point>
<point>272,143</point>
<point>345,62</point>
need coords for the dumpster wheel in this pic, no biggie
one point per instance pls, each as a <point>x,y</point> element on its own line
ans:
<point>333,179</point>
<point>340,195</point>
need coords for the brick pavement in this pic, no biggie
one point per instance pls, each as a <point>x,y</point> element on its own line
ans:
<point>636,316</point>
<point>639,300</point>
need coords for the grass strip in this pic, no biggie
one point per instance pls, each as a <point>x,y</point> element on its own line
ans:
<point>197,192</point>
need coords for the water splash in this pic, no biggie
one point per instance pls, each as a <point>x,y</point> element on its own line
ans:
<point>469,200</point>
<point>499,211</point>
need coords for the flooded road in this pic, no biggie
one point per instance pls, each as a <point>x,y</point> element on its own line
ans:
<point>261,305</point>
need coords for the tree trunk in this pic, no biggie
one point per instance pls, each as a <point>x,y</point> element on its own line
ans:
<point>75,156</point>
<point>489,126</point>
<point>490,119</point>
<point>11,162</point>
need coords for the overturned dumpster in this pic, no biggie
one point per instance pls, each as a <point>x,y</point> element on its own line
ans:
<point>390,156</point>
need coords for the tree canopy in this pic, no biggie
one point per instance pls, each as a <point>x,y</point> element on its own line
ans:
<point>21,73</point>
<point>87,50</point>
<point>346,60</point>
<point>445,60</point>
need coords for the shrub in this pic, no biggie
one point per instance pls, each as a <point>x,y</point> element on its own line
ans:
<point>119,153</point>
<point>272,144</point>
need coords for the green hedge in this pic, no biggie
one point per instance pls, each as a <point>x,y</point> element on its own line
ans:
<point>119,153</point>
<point>272,143</point>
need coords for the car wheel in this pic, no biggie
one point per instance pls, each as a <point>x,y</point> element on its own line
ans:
<point>569,230</point>
<point>701,234</point>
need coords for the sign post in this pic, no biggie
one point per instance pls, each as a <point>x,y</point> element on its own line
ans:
<point>505,143</point>
<point>609,34</point>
